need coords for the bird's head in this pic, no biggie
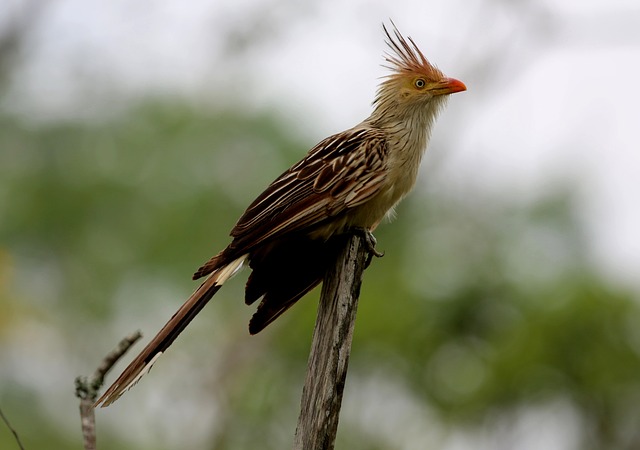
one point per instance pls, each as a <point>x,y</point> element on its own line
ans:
<point>414,81</point>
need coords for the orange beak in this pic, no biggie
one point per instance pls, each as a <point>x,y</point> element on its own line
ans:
<point>447,86</point>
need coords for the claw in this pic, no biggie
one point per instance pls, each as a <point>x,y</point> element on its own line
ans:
<point>369,241</point>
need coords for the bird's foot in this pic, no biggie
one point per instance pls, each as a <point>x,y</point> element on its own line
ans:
<point>369,242</point>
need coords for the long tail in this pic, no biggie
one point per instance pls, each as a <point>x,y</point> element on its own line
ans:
<point>143,362</point>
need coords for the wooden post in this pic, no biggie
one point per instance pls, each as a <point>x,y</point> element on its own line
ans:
<point>330,349</point>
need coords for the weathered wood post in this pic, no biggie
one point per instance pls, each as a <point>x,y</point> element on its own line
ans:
<point>330,349</point>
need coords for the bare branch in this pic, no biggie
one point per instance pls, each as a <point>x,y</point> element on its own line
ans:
<point>330,349</point>
<point>87,390</point>
<point>13,431</point>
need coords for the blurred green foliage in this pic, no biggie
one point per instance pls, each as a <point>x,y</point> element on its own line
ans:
<point>478,310</point>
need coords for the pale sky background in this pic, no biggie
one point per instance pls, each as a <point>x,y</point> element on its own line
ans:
<point>553,95</point>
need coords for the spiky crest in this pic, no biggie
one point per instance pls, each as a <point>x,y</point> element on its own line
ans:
<point>406,58</point>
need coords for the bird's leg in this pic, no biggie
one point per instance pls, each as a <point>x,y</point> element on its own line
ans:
<point>369,242</point>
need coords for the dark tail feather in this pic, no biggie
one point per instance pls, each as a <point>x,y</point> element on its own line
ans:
<point>271,307</point>
<point>178,322</point>
<point>284,272</point>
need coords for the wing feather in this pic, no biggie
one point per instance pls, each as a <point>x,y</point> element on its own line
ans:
<point>341,172</point>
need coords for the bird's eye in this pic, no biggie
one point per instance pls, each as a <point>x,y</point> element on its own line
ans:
<point>419,83</point>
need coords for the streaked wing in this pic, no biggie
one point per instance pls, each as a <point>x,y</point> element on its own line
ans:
<point>341,172</point>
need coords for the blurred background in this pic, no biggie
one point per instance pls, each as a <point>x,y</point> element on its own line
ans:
<point>505,312</point>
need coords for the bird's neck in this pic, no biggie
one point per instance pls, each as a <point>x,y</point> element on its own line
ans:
<point>408,129</point>
<point>408,126</point>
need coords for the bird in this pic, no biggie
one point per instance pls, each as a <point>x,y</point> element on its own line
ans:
<point>347,183</point>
